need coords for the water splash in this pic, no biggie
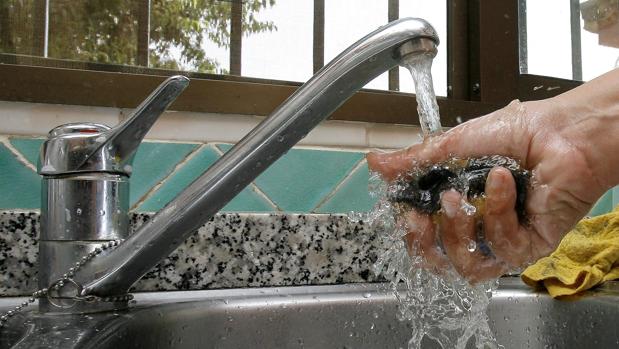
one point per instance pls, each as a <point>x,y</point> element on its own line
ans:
<point>444,307</point>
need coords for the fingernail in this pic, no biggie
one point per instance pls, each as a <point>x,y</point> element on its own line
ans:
<point>374,156</point>
<point>449,207</point>
<point>411,224</point>
<point>492,183</point>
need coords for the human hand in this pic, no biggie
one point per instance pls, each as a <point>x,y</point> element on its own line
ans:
<point>563,188</point>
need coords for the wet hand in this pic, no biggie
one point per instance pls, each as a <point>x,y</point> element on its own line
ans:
<point>563,189</point>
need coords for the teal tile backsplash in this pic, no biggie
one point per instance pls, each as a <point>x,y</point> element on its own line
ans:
<point>352,193</point>
<point>606,203</point>
<point>246,201</point>
<point>20,187</point>
<point>299,180</point>
<point>180,179</point>
<point>303,180</point>
<point>28,147</point>
<point>152,163</point>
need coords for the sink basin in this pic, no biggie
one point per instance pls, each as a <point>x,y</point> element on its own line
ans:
<point>338,316</point>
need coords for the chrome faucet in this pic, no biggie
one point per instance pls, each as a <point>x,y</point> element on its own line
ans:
<point>85,169</point>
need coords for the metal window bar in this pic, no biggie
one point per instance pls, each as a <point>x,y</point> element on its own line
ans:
<point>40,30</point>
<point>236,36</point>
<point>6,39</point>
<point>522,37</point>
<point>576,42</point>
<point>318,48</point>
<point>393,13</point>
<point>143,32</point>
<point>459,53</point>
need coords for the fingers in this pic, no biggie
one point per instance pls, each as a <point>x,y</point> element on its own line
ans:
<point>421,239</point>
<point>501,133</point>
<point>391,165</point>
<point>458,234</point>
<point>507,239</point>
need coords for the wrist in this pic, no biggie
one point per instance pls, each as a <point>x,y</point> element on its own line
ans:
<point>591,126</point>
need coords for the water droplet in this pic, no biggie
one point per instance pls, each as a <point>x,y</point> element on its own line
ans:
<point>471,246</point>
<point>101,212</point>
<point>468,208</point>
<point>367,295</point>
<point>78,211</point>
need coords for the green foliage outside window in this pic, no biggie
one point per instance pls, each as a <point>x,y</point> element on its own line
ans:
<point>106,31</point>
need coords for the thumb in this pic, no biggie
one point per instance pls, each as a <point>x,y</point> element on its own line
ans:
<point>390,165</point>
<point>432,150</point>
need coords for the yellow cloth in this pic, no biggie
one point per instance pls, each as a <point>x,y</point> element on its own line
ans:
<point>587,256</point>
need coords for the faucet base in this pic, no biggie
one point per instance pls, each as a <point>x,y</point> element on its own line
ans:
<point>61,257</point>
<point>79,307</point>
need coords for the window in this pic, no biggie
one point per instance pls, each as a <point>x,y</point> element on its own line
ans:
<point>276,40</point>
<point>254,51</point>
<point>284,53</point>
<point>573,39</point>
<point>434,12</point>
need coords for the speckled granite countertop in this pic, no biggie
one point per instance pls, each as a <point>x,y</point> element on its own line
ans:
<point>231,250</point>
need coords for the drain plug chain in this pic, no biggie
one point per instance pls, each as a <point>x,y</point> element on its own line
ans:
<point>52,292</point>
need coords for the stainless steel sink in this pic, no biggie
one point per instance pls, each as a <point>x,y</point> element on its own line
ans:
<point>339,316</point>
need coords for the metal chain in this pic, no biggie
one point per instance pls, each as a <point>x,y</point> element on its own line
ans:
<point>67,278</point>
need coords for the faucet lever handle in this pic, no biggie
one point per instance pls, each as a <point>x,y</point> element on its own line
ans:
<point>124,139</point>
<point>90,147</point>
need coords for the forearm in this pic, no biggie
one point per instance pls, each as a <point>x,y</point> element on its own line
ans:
<point>591,112</point>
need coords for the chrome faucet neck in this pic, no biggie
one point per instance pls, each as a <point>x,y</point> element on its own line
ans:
<point>115,271</point>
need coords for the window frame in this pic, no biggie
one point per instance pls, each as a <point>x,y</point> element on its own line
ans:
<point>483,70</point>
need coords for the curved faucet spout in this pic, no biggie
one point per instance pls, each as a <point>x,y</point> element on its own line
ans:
<point>117,270</point>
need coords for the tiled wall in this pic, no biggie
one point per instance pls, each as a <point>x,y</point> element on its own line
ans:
<point>303,180</point>
<point>326,174</point>
<point>606,203</point>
